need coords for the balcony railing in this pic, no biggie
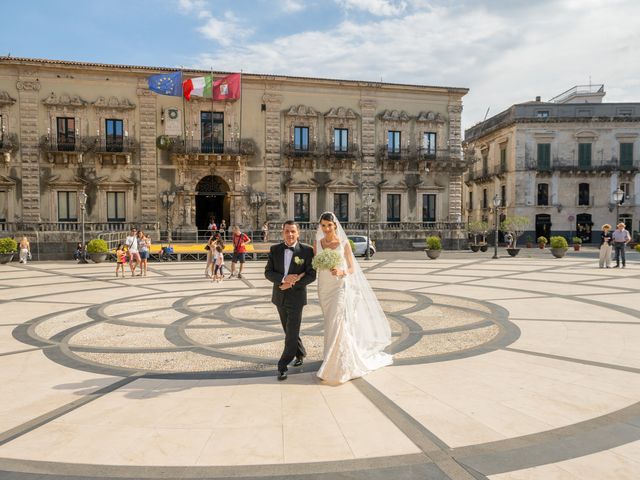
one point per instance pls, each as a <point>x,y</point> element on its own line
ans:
<point>350,150</point>
<point>293,149</point>
<point>568,167</point>
<point>76,144</point>
<point>124,145</point>
<point>395,154</point>
<point>208,147</point>
<point>75,226</point>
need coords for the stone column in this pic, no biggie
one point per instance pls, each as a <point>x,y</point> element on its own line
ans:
<point>455,145</point>
<point>273,155</point>
<point>28,87</point>
<point>368,146</point>
<point>148,169</point>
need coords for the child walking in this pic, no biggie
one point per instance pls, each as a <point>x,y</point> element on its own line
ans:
<point>121,259</point>
<point>218,264</point>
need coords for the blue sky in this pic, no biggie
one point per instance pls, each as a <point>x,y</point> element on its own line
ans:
<point>505,51</point>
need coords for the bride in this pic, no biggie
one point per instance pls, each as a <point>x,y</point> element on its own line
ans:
<point>356,329</point>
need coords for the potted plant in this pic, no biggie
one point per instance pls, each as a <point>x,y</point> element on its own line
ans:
<point>577,241</point>
<point>559,246</point>
<point>637,248</point>
<point>515,225</point>
<point>434,247</point>
<point>8,248</point>
<point>478,228</point>
<point>97,250</point>
<point>542,241</point>
<point>529,241</point>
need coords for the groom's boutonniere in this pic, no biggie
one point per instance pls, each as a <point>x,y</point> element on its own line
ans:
<point>298,260</point>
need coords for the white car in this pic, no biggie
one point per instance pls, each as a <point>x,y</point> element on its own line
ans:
<point>361,245</point>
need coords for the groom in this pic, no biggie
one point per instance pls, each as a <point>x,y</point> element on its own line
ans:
<point>289,269</point>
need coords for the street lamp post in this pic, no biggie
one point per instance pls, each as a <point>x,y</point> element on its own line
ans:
<point>496,203</point>
<point>82,197</point>
<point>257,199</point>
<point>368,203</point>
<point>167,200</point>
<point>618,196</point>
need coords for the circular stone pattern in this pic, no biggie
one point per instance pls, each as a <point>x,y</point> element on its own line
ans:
<point>232,334</point>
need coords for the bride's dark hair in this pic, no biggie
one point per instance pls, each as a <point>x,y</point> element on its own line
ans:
<point>328,217</point>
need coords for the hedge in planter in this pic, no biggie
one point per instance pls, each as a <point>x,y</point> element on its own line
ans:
<point>8,245</point>
<point>434,247</point>
<point>97,250</point>
<point>559,246</point>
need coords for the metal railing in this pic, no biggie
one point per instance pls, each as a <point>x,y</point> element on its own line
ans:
<point>75,226</point>
<point>349,150</point>
<point>231,147</point>
<point>605,166</point>
<point>395,154</point>
<point>123,145</point>
<point>300,150</point>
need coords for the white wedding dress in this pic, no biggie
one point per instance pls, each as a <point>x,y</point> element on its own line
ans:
<point>355,328</point>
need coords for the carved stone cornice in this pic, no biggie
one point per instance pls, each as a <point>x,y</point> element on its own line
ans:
<point>113,103</point>
<point>394,116</point>
<point>64,100</point>
<point>454,108</point>
<point>341,113</point>
<point>33,85</point>
<point>431,117</point>
<point>6,99</point>
<point>302,111</point>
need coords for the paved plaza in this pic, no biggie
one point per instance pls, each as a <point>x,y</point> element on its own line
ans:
<point>513,368</point>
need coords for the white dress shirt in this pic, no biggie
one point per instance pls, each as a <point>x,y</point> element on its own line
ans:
<point>288,254</point>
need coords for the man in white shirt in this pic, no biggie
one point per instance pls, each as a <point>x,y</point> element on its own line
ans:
<point>134,254</point>
<point>621,237</point>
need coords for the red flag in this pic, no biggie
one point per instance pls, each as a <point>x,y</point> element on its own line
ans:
<point>227,88</point>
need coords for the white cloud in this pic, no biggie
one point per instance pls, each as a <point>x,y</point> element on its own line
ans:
<point>505,55</point>
<point>381,8</point>
<point>226,31</point>
<point>190,6</point>
<point>291,6</point>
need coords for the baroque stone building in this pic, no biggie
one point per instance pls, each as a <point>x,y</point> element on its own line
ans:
<point>558,163</point>
<point>289,148</point>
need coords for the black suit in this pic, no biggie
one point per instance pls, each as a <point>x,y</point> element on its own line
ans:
<point>290,302</point>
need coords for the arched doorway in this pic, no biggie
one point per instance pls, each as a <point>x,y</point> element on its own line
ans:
<point>583,227</point>
<point>212,201</point>
<point>543,226</point>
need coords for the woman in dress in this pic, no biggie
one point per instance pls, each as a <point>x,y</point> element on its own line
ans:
<point>356,330</point>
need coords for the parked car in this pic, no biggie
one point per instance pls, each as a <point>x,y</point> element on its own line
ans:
<point>361,245</point>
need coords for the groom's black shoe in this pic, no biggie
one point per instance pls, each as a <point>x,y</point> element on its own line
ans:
<point>299,361</point>
<point>282,376</point>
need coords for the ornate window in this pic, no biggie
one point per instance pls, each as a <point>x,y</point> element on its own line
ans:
<point>301,203</point>
<point>341,127</point>
<point>66,133</point>
<point>584,155</point>
<point>543,194</point>
<point>116,211</point>
<point>544,156</point>
<point>301,138</point>
<point>114,132</point>
<point>429,207</point>
<point>340,139</point>
<point>626,154</point>
<point>341,206</point>
<point>393,207</point>
<point>4,206</point>
<point>67,206</point>
<point>583,194</point>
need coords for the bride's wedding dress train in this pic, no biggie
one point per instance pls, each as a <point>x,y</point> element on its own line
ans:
<point>353,344</point>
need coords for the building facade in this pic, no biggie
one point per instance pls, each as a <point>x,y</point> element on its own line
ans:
<point>289,148</point>
<point>559,163</point>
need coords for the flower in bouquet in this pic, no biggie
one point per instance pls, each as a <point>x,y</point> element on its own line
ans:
<point>326,260</point>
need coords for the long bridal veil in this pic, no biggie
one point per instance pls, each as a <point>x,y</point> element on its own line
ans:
<point>366,320</point>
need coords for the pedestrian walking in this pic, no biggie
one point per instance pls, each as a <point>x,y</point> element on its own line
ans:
<point>621,237</point>
<point>606,242</point>
<point>144,245</point>
<point>25,250</point>
<point>240,240</point>
<point>134,253</point>
<point>121,259</point>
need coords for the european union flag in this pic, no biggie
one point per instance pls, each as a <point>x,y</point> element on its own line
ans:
<point>166,84</point>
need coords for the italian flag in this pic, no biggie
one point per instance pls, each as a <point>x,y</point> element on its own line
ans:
<point>200,86</point>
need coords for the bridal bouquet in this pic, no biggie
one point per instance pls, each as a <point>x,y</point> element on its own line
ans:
<point>326,260</point>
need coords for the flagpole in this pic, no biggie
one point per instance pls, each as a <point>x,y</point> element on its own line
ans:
<point>184,113</point>
<point>240,128</point>
<point>212,109</point>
